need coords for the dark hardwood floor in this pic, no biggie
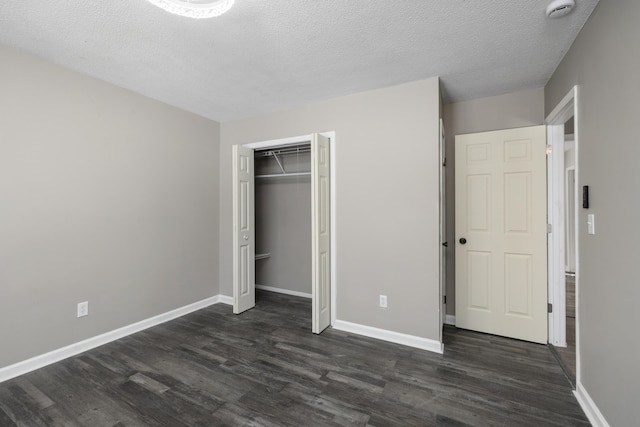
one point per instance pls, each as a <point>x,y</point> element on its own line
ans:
<point>265,368</point>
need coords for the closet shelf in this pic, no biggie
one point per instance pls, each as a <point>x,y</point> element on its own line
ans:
<point>296,149</point>
<point>263,256</point>
<point>280,175</point>
<point>306,148</point>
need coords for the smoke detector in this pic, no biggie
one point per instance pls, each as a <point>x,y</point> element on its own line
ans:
<point>560,8</point>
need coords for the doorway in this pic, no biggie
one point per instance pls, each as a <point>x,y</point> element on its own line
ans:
<point>322,218</point>
<point>563,260</point>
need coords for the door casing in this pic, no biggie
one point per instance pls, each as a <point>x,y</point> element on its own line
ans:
<point>555,121</point>
<point>443,231</point>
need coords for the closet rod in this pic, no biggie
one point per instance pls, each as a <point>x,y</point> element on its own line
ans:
<point>283,151</point>
<point>279,175</point>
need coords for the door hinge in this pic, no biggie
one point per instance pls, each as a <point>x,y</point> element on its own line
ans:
<point>549,150</point>
<point>549,307</point>
<point>549,228</point>
<point>444,162</point>
<point>444,299</point>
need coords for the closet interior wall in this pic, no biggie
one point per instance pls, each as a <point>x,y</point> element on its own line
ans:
<point>283,221</point>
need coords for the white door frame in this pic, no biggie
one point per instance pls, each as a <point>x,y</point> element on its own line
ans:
<point>332,153</point>
<point>555,121</point>
<point>570,251</point>
<point>443,231</point>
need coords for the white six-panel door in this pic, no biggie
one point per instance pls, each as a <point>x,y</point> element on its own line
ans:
<point>320,234</point>
<point>501,233</point>
<point>244,286</point>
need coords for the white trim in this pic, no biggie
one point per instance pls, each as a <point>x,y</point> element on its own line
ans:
<point>391,336</point>
<point>566,109</point>
<point>576,221</point>
<point>442,250</point>
<point>283,291</point>
<point>556,239</point>
<point>334,245</point>
<point>450,319</point>
<point>279,142</point>
<point>223,299</point>
<point>589,407</point>
<point>332,153</point>
<point>43,360</point>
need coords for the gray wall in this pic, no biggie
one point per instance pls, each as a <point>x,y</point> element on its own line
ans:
<point>604,61</point>
<point>387,200</point>
<point>105,196</point>
<point>283,224</point>
<point>519,109</point>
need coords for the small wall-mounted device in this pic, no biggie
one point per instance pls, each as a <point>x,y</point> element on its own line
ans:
<point>591,224</point>
<point>585,196</point>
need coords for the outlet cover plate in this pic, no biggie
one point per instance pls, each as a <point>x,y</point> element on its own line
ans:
<point>383,301</point>
<point>83,309</point>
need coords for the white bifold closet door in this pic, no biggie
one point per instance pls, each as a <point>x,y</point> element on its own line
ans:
<point>244,235</point>
<point>320,234</point>
<point>244,231</point>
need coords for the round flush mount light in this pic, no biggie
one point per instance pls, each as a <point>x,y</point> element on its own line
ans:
<point>197,9</point>
<point>559,8</point>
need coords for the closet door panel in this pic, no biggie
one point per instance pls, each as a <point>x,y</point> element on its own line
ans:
<point>321,232</point>
<point>244,294</point>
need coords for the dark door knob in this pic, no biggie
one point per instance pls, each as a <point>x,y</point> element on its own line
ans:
<point>463,241</point>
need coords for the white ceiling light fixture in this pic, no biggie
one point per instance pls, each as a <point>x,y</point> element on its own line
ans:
<point>197,9</point>
<point>559,8</point>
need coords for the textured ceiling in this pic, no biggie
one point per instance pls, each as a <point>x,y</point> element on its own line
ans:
<point>270,55</point>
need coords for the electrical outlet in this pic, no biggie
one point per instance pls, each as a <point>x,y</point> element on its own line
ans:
<point>383,301</point>
<point>83,309</point>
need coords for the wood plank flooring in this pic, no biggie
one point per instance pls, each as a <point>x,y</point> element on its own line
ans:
<point>265,368</point>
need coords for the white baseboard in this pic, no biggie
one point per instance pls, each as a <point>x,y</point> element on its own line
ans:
<point>450,319</point>
<point>223,299</point>
<point>283,291</point>
<point>57,355</point>
<point>43,360</point>
<point>589,407</point>
<point>385,335</point>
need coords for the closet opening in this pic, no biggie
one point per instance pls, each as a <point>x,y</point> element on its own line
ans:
<point>283,219</point>
<point>282,223</point>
